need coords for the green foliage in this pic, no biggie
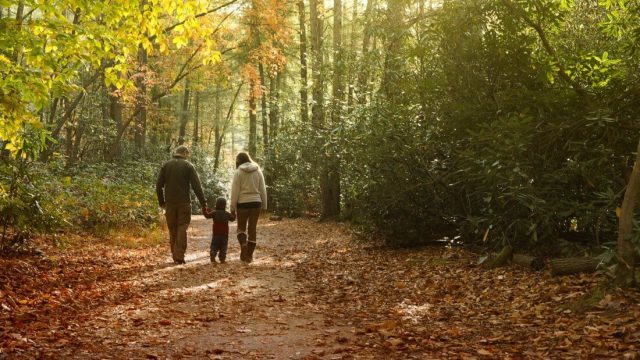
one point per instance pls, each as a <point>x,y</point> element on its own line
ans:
<point>93,198</point>
<point>488,142</point>
<point>290,169</point>
<point>211,181</point>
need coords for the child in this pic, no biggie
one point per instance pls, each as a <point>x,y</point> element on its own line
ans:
<point>220,237</point>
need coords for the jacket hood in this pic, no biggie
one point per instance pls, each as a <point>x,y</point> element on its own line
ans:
<point>248,167</point>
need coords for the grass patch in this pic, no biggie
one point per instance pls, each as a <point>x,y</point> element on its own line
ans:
<point>137,238</point>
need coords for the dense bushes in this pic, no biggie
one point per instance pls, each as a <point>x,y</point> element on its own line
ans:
<point>489,140</point>
<point>92,198</point>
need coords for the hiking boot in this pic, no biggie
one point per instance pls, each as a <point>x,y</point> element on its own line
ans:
<point>251,246</point>
<point>242,239</point>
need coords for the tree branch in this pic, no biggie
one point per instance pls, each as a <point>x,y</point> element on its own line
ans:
<point>546,45</point>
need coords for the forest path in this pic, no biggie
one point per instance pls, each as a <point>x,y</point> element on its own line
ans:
<point>313,292</point>
<point>228,311</point>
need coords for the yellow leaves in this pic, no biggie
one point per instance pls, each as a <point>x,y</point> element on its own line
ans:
<point>212,59</point>
<point>180,41</point>
<point>50,48</point>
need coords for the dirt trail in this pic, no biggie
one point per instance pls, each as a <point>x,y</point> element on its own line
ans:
<point>225,311</point>
<point>313,292</point>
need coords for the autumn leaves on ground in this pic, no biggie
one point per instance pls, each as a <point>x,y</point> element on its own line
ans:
<point>314,292</point>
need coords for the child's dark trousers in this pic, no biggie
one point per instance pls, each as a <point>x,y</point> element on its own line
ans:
<point>219,244</point>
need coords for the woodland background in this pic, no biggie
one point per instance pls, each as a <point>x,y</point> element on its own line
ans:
<point>497,122</point>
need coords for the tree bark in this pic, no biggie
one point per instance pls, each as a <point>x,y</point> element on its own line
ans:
<point>223,130</point>
<point>626,252</point>
<point>141,103</point>
<point>304,98</point>
<point>393,58</point>
<point>351,55</point>
<point>331,193</point>
<point>217,142</point>
<point>363,76</point>
<point>274,109</point>
<point>570,266</point>
<point>263,110</point>
<point>115,111</point>
<point>184,114</point>
<point>196,119</point>
<point>253,118</point>
<point>317,26</point>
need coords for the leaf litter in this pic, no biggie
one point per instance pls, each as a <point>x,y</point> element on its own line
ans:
<point>312,293</point>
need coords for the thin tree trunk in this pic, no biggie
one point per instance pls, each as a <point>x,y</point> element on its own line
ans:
<point>228,121</point>
<point>625,271</point>
<point>53,110</point>
<point>331,195</point>
<point>196,119</point>
<point>263,109</point>
<point>141,121</point>
<point>351,54</point>
<point>253,118</point>
<point>184,114</point>
<point>304,97</point>
<point>116,116</point>
<point>363,75</point>
<point>393,59</point>
<point>317,26</point>
<point>217,143</point>
<point>274,97</point>
<point>17,53</point>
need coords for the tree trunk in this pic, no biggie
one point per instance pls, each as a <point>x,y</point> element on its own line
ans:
<point>625,271</point>
<point>274,109</point>
<point>141,103</point>
<point>350,62</point>
<point>263,109</point>
<point>317,26</point>
<point>331,194</point>
<point>17,53</point>
<point>393,58</point>
<point>304,98</point>
<point>53,110</point>
<point>196,119</point>
<point>115,111</point>
<point>253,118</point>
<point>184,114</point>
<point>223,130</point>
<point>363,76</point>
<point>217,145</point>
<point>570,266</point>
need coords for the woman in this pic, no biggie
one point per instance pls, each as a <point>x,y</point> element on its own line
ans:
<point>248,196</point>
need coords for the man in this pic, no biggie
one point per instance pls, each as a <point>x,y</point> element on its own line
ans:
<point>177,177</point>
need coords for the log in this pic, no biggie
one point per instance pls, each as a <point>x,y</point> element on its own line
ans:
<point>531,262</point>
<point>573,265</point>
<point>501,259</point>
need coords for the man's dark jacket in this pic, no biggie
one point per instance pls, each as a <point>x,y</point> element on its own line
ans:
<point>176,178</point>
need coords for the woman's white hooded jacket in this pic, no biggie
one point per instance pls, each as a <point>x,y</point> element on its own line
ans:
<point>248,186</point>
